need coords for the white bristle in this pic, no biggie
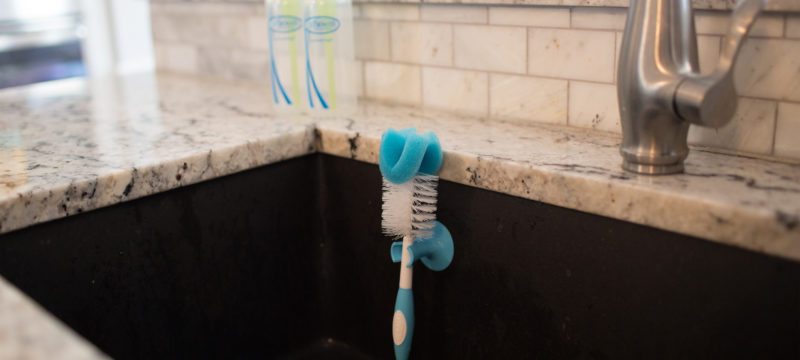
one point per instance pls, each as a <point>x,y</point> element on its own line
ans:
<point>409,208</point>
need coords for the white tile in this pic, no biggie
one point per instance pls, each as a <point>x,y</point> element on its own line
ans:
<point>770,25</point>
<point>422,43</point>
<point>359,78</point>
<point>793,26</point>
<point>490,48</point>
<point>250,65</point>
<point>599,18</point>
<point>390,11</point>
<point>163,28</point>
<point>528,99</point>
<point>769,68</point>
<point>787,132</point>
<point>750,129</point>
<point>207,8</point>
<point>371,39</point>
<point>196,30</point>
<point>454,13</point>
<point>717,23</point>
<point>456,90</point>
<point>230,32</point>
<point>594,106</point>
<point>778,5</point>
<point>708,52</point>
<point>396,83</point>
<point>571,54</point>
<point>258,33</point>
<point>710,4</point>
<point>529,16</point>
<point>617,3</point>
<point>179,57</point>
<point>212,61</point>
<point>711,22</point>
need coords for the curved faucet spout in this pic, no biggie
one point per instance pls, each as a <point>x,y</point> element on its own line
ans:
<point>659,87</point>
<point>710,100</point>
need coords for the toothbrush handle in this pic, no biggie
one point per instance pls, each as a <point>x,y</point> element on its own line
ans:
<point>403,323</point>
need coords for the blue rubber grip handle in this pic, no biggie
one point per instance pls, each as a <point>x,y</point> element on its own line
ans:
<point>403,323</point>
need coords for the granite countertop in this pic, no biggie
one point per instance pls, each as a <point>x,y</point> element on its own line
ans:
<point>76,145</point>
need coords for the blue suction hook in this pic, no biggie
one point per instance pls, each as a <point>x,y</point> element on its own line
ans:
<point>436,252</point>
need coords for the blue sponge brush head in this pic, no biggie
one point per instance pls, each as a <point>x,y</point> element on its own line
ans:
<point>405,153</point>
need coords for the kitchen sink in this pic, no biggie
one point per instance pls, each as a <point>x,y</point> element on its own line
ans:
<point>288,261</point>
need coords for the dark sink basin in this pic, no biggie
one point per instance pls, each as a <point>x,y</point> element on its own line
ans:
<point>287,261</point>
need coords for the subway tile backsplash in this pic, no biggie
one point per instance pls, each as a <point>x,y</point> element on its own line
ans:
<point>546,64</point>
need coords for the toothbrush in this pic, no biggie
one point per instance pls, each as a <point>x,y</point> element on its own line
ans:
<point>407,161</point>
<point>409,211</point>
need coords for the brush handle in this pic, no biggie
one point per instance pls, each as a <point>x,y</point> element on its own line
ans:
<point>403,320</point>
<point>403,323</point>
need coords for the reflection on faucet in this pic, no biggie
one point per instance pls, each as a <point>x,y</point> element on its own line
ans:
<point>660,89</point>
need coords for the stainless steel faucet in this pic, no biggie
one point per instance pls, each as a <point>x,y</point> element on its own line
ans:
<point>660,89</point>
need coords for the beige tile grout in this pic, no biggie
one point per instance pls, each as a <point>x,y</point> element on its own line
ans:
<point>781,37</point>
<point>785,26</point>
<point>453,44</point>
<point>570,19</point>
<point>489,95</point>
<point>422,86</point>
<point>527,51</point>
<point>363,78</point>
<point>569,85</point>
<point>525,74</point>
<point>389,34</point>
<point>616,55</point>
<point>775,127</point>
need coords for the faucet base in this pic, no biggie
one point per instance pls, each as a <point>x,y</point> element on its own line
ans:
<point>650,169</point>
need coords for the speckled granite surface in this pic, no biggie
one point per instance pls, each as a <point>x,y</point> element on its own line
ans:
<point>72,146</point>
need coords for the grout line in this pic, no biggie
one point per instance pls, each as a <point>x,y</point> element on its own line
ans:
<point>488,9</point>
<point>491,71</point>
<point>775,127</point>
<point>489,95</point>
<point>421,86</point>
<point>615,64</point>
<point>559,27</point>
<point>785,26</point>
<point>527,50</point>
<point>389,34</point>
<point>453,45</point>
<point>503,25</point>
<point>570,18</point>
<point>364,79</point>
<point>767,99</point>
<point>569,85</point>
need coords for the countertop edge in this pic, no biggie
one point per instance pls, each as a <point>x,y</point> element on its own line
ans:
<point>132,183</point>
<point>765,235</point>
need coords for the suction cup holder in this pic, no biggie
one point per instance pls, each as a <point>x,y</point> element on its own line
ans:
<point>435,252</point>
